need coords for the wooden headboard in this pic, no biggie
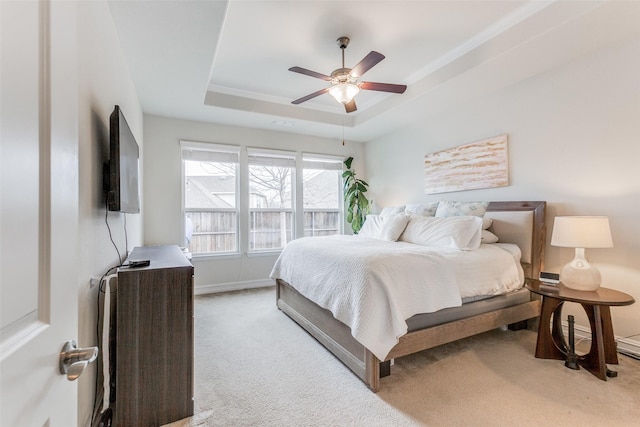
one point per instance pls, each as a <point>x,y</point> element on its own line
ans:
<point>522,223</point>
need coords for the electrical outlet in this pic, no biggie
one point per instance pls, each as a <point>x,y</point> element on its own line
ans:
<point>94,281</point>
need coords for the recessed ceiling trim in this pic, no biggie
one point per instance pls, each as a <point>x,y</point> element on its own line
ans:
<point>217,99</point>
<point>219,38</point>
<point>213,88</point>
<point>514,18</point>
<point>498,27</point>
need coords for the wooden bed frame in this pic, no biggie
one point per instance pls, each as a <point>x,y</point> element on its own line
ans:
<point>336,336</point>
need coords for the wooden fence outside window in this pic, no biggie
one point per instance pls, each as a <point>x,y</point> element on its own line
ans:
<point>215,231</point>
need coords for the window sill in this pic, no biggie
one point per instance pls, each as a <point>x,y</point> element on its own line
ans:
<point>212,256</point>
<point>271,252</point>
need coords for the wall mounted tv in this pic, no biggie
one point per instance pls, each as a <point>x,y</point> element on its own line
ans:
<point>122,167</point>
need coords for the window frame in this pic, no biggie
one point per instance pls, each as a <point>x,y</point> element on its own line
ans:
<point>298,160</point>
<point>231,150</point>
<point>281,158</point>
<point>329,162</point>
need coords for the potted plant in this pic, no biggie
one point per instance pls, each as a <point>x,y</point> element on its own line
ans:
<point>356,201</point>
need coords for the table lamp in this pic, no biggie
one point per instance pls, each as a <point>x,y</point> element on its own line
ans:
<point>581,232</point>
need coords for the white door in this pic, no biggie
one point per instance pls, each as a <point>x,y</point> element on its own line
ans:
<point>38,210</point>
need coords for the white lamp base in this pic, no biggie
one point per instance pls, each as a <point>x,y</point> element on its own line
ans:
<point>579,274</point>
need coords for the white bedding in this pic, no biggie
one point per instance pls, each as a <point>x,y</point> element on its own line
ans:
<point>373,285</point>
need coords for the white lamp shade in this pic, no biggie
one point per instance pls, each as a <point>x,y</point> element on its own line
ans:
<point>581,232</point>
<point>344,92</point>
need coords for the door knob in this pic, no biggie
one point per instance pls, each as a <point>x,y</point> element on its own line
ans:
<point>73,360</point>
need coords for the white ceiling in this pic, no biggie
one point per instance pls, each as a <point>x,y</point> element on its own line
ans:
<point>227,61</point>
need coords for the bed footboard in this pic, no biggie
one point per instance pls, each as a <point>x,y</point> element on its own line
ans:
<point>336,336</point>
<point>331,333</point>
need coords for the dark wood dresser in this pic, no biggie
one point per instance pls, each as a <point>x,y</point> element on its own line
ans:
<point>154,339</point>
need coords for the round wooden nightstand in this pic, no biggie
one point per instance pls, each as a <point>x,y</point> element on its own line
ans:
<point>551,343</point>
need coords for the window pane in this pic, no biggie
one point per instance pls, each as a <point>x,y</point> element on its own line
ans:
<point>269,229</point>
<point>270,206</point>
<point>321,190</point>
<point>210,206</point>
<point>270,187</point>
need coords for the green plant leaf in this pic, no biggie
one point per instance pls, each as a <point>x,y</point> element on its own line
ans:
<point>356,225</point>
<point>362,201</point>
<point>348,161</point>
<point>357,204</point>
<point>349,193</point>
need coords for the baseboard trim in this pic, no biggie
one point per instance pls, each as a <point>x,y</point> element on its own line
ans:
<point>629,347</point>
<point>233,286</point>
<point>625,345</point>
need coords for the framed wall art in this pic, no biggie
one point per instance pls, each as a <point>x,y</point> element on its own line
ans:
<point>481,164</point>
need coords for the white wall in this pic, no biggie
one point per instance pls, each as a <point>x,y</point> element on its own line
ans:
<point>104,81</point>
<point>163,191</point>
<point>574,141</point>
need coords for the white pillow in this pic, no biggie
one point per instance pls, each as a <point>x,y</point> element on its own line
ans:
<point>393,226</point>
<point>371,227</point>
<point>384,227</point>
<point>449,208</point>
<point>391,210</point>
<point>486,222</point>
<point>488,237</point>
<point>457,232</point>
<point>424,209</point>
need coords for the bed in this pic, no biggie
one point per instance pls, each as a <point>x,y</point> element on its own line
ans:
<point>521,224</point>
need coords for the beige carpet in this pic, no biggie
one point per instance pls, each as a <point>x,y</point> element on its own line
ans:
<point>255,367</point>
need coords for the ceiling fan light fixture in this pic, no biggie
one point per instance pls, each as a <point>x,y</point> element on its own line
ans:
<point>344,81</point>
<point>344,92</point>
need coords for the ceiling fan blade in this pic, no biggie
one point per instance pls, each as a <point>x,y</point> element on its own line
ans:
<point>350,106</point>
<point>366,64</point>
<point>383,87</point>
<point>310,96</point>
<point>310,73</point>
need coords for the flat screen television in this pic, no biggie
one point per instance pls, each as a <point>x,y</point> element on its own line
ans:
<point>123,193</point>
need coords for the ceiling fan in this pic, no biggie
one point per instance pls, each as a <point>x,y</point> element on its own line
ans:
<point>344,81</point>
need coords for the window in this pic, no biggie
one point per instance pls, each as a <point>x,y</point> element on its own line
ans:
<point>271,198</point>
<point>322,194</point>
<point>210,197</point>
<point>284,195</point>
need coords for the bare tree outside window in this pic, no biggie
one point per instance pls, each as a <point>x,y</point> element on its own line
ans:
<point>270,206</point>
<point>270,187</point>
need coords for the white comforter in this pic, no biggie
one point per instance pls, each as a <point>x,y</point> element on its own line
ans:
<point>373,285</point>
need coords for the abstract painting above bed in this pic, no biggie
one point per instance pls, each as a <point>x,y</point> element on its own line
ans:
<point>481,164</point>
